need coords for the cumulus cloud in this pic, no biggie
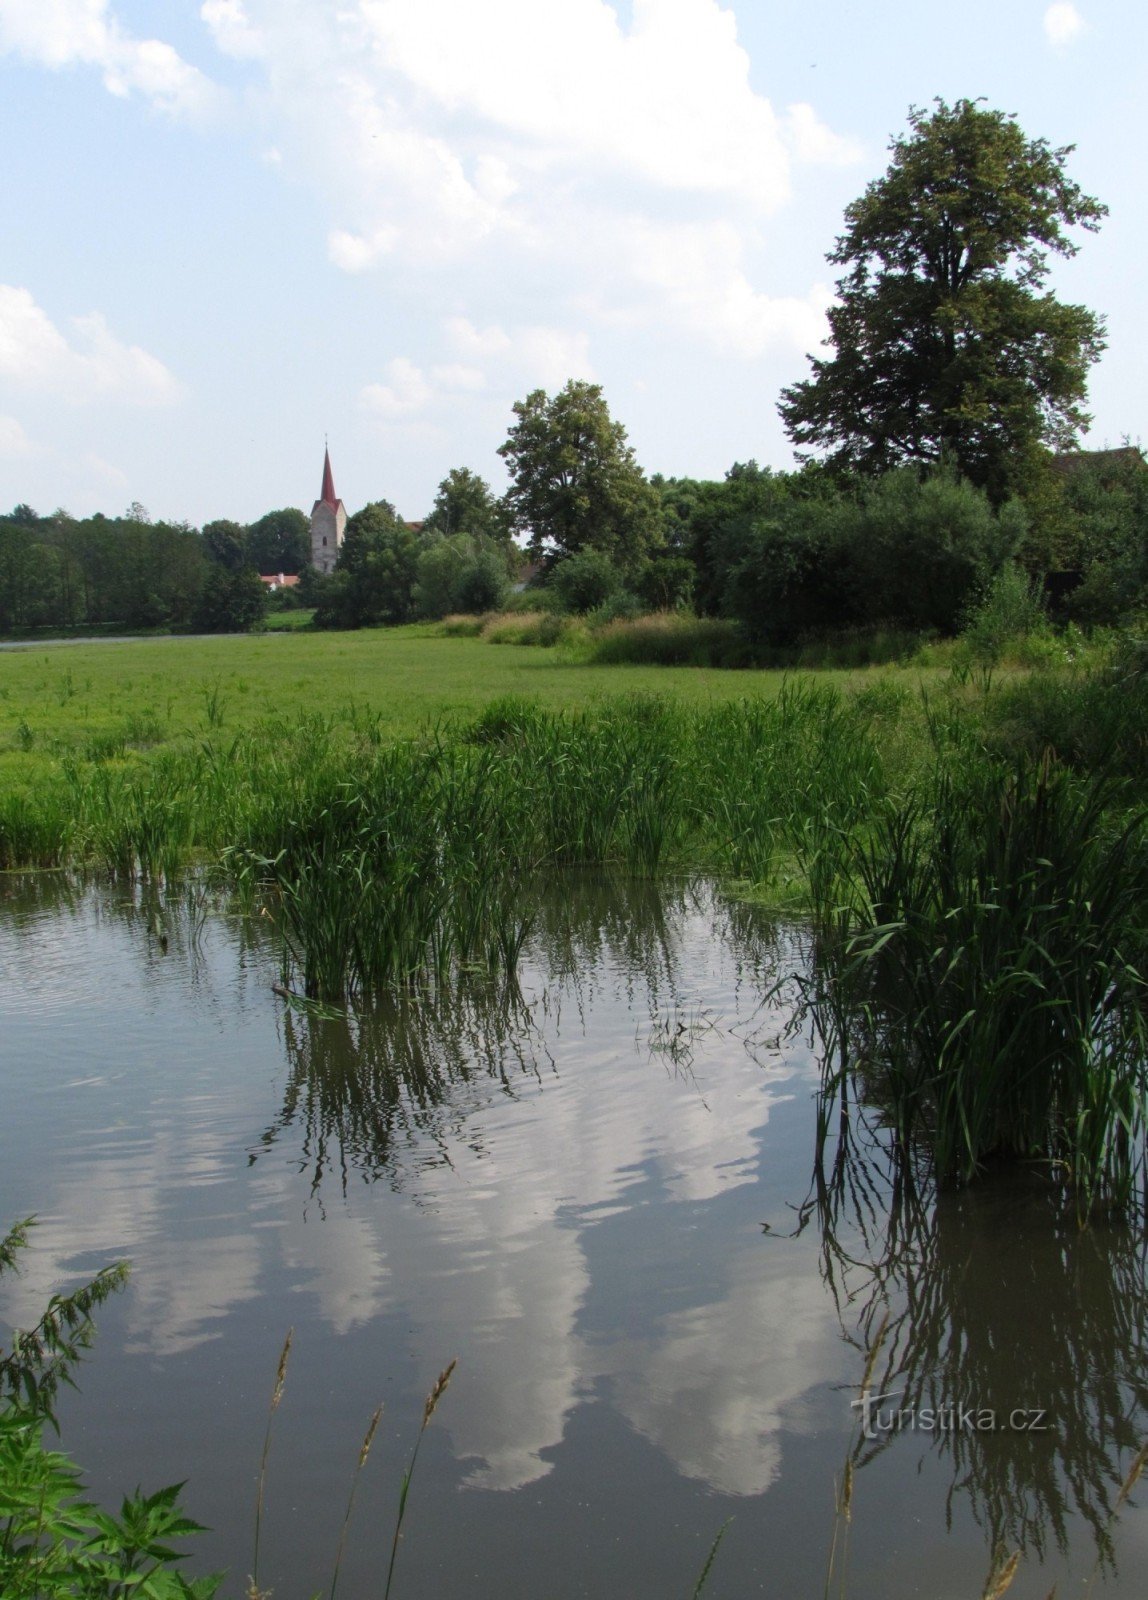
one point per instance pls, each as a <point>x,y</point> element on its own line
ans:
<point>93,364</point>
<point>231,28</point>
<point>543,150</point>
<point>405,392</point>
<point>1062,24</point>
<point>65,33</point>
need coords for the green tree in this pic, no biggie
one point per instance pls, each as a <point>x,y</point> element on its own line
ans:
<point>230,602</point>
<point>375,576</point>
<point>586,580</point>
<point>279,542</point>
<point>226,544</point>
<point>575,482</point>
<point>946,344</point>
<point>461,574</point>
<point>466,504</point>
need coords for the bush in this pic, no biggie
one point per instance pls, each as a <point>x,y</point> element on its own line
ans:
<point>622,606</point>
<point>585,581</point>
<point>460,574</point>
<point>1011,608</point>
<point>901,553</point>
<point>528,627</point>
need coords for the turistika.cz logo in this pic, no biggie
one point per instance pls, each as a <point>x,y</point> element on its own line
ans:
<point>880,1418</point>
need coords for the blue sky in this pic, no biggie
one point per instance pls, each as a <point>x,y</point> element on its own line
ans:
<point>232,227</point>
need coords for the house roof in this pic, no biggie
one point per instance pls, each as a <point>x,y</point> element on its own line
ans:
<point>1125,455</point>
<point>279,580</point>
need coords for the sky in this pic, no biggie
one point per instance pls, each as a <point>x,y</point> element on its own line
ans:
<point>233,229</point>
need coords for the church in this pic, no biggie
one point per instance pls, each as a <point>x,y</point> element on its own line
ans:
<point>328,522</point>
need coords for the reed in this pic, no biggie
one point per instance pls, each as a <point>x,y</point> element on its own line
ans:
<point>979,976</point>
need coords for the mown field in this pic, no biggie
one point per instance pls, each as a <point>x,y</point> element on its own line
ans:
<point>108,701</point>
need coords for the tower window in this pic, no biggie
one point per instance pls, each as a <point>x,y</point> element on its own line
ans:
<point>324,538</point>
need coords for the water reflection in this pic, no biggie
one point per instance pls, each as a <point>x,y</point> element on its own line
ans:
<point>1020,1333</point>
<point>371,1094</point>
<point>564,1184</point>
<point>386,1091</point>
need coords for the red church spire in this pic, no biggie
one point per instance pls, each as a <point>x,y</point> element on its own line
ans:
<point>328,495</point>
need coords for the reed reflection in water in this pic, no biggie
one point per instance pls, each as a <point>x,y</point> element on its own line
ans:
<point>563,1183</point>
<point>1023,1336</point>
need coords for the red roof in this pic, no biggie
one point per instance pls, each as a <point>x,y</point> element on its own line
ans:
<point>328,495</point>
<point>279,580</point>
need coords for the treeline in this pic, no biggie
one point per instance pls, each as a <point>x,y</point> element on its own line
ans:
<point>788,556</point>
<point>61,572</point>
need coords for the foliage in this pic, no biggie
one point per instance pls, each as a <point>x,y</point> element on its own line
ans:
<point>54,1544</point>
<point>671,639</point>
<point>946,345</point>
<point>225,544</point>
<point>575,481</point>
<point>465,504</point>
<point>1012,607</point>
<point>230,601</point>
<point>62,573</point>
<point>981,982</point>
<point>375,576</point>
<point>460,574</point>
<point>280,541</point>
<point>585,580</point>
<point>665,582</point>
<point>901,552</point>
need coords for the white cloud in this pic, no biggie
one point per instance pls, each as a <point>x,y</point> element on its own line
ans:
<point>454,375</point>
<point>103,472</point>
<point>812,141</point>
<point>64,33</point>
<point>14,442</point>
<point>526,149</point>
<point>1062,24</point>
<point>231,28</point>
<point>696,272</point>
<point>405,392</point>
<point>36,355</point>
<point>476,342</point>
<point>547,357</point>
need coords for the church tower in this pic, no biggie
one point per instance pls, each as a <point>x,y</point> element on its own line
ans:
<point>328,520</point>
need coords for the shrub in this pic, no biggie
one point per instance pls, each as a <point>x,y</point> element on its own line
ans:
<point>527,627</point>
<point>460,574</point>
<point>1010,608</point>
<point>586,580</point>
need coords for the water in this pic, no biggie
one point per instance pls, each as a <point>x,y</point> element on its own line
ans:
<point>597,1198</point>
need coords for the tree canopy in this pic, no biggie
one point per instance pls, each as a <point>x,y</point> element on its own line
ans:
<point>375,574</point>
<point>575,481</point>
<point>946,345</point>
<point>465,504</point>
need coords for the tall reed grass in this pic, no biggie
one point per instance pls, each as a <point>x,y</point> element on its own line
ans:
<point>979,975</point>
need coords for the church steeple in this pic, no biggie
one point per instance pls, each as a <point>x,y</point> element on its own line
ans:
<point>328,495</point>
<point>328,521</point>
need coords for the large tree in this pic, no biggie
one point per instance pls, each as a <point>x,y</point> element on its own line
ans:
<point>946,344</point>
<point>465,504</point>
<point>575,481</point>
<point>375,574</point>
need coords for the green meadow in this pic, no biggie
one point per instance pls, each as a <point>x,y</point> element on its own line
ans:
<point>112,700</point>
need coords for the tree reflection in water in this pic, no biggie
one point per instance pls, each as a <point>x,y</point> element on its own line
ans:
<point>997,1301</point>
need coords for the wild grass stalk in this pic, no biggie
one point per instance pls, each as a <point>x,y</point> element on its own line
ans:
<point>276,1396</point>
<point>431,1404</point>
<point>364,1452</point>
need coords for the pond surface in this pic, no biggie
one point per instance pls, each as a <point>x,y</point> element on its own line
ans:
<point>597,1197</point>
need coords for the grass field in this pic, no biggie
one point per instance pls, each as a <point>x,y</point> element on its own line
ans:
<point>105,700</point>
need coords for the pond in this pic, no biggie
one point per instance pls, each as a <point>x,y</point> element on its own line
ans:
<point>596,1194</point>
